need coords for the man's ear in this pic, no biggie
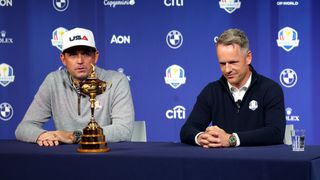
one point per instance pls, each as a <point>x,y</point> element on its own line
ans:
<point>249,57</point>
<point>62,58</point>
<point>96,57</point>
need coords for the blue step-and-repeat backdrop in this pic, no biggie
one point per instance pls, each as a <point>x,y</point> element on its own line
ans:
<point>166,49</point>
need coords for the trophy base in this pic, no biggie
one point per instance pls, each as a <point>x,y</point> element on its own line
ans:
<point>92,139</point>
<point>96,144</point>
<point>93,147</point>
<point>93,150</point>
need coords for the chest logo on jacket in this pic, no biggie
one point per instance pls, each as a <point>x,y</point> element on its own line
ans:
<point>253,105</point>
<point>97,105</point>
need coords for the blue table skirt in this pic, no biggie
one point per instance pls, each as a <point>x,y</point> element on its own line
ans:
<point>158,160</point>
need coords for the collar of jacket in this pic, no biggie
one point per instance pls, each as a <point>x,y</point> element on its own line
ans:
<point>255,78</point>
<point>67,78</point>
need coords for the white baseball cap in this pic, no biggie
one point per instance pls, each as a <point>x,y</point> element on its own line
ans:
<point>78,37</point>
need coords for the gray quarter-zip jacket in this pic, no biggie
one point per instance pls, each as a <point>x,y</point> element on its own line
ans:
<point>57,99</point>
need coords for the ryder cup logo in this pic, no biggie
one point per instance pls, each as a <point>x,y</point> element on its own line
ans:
<point>253,105</point>
<point>174,39</point>
<point>288,78</point>
<point>229,5</point>
<point>57,37</point>
<point>6,74</point>
<point>6,111</point>
<point>288,38</point>
<point>175,76</point>
<point>121,70</point>
<point>60,5</point>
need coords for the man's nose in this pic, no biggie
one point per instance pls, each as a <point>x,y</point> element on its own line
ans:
<point>228,67</point>
<point>80,58</point>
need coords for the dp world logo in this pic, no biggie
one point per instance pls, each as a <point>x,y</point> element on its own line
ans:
<point>60,5</point>
<point>288,78</point>
<point>174,39</point>
<point>57,37</point>
<point>6,74</point>
<point>288,38</point>
<point>229,5</point>
<point>6,111</point>
<point>175,76</point>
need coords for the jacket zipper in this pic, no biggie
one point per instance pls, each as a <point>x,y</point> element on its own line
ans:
<point>79,99</point>
<point>79,103</point>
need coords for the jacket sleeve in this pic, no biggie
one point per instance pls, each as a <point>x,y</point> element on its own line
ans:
<point>199,118</point>
<point>122,113</point>
<point>37,114</point>
<point>273,131</point>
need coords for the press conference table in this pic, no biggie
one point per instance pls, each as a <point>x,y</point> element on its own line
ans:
<point>157,160</point>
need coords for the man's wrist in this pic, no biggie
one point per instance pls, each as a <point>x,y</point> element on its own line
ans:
<point>232,140</point>
<point>77,136</point>
<point>196,138</point>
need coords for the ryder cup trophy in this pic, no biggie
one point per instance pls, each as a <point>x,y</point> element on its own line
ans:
<point>93,139</point>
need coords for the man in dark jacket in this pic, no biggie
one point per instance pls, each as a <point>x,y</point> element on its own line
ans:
<point>244,107</point>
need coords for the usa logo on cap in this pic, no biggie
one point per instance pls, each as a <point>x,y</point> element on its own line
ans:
<point>78,37</point>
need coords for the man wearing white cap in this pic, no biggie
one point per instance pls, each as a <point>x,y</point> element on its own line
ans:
<point>59,97</point>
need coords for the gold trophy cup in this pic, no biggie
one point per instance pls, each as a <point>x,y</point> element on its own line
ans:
<point>92,138</point>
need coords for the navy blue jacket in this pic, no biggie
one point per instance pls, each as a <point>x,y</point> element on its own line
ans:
<point>260,120</point>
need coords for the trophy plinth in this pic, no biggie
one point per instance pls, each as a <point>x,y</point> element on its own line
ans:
<point>92,138</point>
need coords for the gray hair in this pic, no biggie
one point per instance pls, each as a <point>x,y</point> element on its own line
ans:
<point>234,36</point>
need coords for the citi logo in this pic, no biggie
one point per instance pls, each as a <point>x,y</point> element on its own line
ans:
<point>178,112</point>
<point>5,3</point>
<point>120,39</point>
<point>173,2</point>
<point>78,37</point>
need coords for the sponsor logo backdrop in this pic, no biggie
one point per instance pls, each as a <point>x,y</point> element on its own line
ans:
<point>166,49</point>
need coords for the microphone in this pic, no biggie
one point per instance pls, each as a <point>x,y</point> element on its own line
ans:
<point>238,102</point>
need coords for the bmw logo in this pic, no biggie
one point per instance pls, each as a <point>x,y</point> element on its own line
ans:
<point>174,39</point>
<point>6,111</point>
<point>288,78</point>
<point>60,5</point>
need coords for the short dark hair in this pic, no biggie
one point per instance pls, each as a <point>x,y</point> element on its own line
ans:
<point>76,48</point>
